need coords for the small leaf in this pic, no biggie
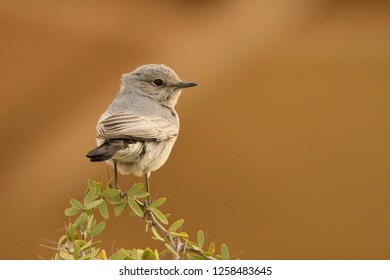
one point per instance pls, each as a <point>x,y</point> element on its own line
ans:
<point>94,185</point>
<point>91,184</point>
<point>157,235</point>
<point>176,225</point>
<point>169,247</point>
<point>94,252</point>
<point>80,243</point>
<point>86,245</point>
<point>90,221</point>
<point>200,238</point>
<point>180,234</point>
<point>76,204</point>
<point>93,204</point>
<point>121,254</point>
<point>112,196</point>
<point>195,257</point>
<point>195,246</point>
<point>80,220</point>
<point>111,193</point>
<point>137,253</point>
<point>224,252</point>
<point>135,207</point>
<point>185,246</point>
<point>71,232</point>
<point>63,240</point>
<point>159,215</point>
<point>211,248</point>
<point>71,211</point>
<point>119,209</point>
<point>134,189</point>
<point>89,196</point>
<point>114,199</point>
<point>98,228</point>
<point>66,256</point>
<point>76,252</point>
<point>103,210</point>
<point>158,202</point>
<point>148,254</point>
<point>102,255</point>
<point>140,194</point>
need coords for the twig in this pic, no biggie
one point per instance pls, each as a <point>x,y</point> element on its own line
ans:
<point>178,246</point>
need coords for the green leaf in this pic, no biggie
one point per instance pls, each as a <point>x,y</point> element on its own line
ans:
<point>180,234</point>
<point>195,246</point>
<point>63,240</point>
<point>111,193</point>
<point>224,252</point>
<point>137,253</point>
<point>121,254</point>
<point>169,247</point>
<point>119,209</point>
<point>94,185</point>
<point>135,207</point>
<point>135,189</point>
<point>89,196</point>
<point>211,248</point>
<point>80,220</point>
<point>71,232</point>
<point>176,225</point>
<point>76,204</point>
<point>94,252</point>
<point>140,194</point>
<point>76,252</point>
<point>103,210</point>
<point>157,235</point>
<point>158,202</point>
<point>186,241</point>
<point>93,204</point>
<point>90,221</point>
<point>86,246</point>
<point>91,184</point>
<point>148,254</point>
<point>159,215</point>
<point>195,257</point>
<point>98,228</point>
<point>71,211</point>
<point>66,256</point>
<point>112,196</point>
<point>200,238</point>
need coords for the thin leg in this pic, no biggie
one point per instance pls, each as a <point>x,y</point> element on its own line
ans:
<point>115,173</point>
<point>147,186</point>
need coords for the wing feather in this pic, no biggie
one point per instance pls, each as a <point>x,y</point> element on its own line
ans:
<point>130,126</point>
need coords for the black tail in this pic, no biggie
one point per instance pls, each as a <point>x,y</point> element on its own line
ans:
<point>103,152</point>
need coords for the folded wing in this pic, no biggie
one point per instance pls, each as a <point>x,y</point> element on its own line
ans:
<point>130,126</point>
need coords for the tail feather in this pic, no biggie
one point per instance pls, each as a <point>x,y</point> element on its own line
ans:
<point>103,152</point>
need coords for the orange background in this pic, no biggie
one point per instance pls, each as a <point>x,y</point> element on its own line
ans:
<point>284,148</point>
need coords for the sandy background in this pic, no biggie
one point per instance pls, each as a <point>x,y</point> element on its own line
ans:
<point>284,147</point>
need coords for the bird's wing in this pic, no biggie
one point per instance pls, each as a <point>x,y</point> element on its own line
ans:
<point>130,126</point>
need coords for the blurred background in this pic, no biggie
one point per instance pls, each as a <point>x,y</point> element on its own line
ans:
<point>283,151</point>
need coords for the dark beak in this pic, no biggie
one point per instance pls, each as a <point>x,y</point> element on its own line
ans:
<point>185,84</point>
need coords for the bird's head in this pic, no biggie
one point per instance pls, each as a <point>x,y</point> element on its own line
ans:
<point>156,81</point>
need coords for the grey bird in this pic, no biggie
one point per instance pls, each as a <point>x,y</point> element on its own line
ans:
<point>139,128</point>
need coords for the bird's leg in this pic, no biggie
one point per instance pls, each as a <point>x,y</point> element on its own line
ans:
<point>147,175</point>
<point>115,174</point>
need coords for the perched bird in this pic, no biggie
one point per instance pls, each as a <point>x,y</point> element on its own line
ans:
<point>139,128</point>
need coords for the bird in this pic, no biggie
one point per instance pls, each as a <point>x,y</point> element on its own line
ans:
<point>139,128</point>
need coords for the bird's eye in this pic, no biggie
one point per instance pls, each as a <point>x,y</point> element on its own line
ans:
<point>158,82</point>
